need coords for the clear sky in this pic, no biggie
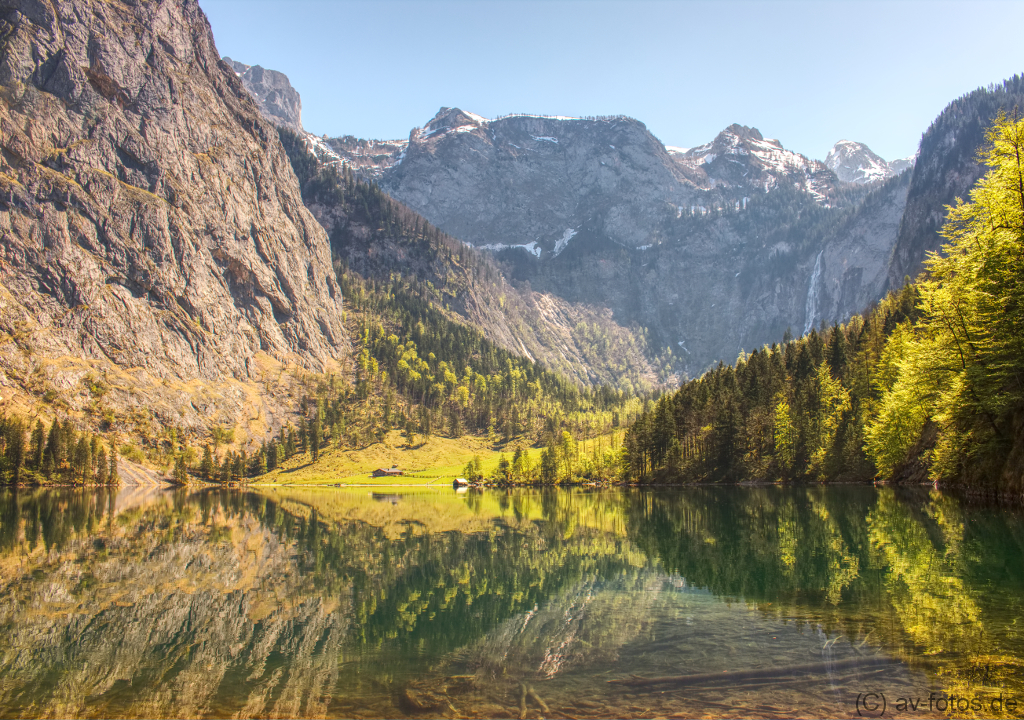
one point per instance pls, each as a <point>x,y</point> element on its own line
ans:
<point>807,73</point>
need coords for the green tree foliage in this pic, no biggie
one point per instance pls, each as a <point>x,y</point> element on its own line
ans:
<point>959,371</point>
<point>782,412</point>
<point>180,469</point>
<point>933,377</point>
<point>58,454</point>
<point>206,465</point>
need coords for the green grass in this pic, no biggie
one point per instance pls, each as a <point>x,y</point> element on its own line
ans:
<point>431,461</point>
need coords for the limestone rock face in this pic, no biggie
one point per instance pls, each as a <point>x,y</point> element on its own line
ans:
<point>278,100</point>
<point>712,249</point>
<point>852,267</point>
<point>150,219</point>
<point>520,180</point>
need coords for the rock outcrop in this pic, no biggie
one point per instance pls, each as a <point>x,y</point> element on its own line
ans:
<point>278,100</point>
<point>153,230</point>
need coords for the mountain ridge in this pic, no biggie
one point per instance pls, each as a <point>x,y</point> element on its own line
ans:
<point>531,188</point>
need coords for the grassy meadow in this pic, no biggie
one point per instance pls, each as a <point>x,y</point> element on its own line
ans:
<point>432,460</point>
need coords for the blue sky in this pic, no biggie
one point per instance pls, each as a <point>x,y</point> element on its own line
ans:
<point>806,73</point>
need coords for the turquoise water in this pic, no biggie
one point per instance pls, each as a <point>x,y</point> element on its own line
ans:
<point>701,602</point>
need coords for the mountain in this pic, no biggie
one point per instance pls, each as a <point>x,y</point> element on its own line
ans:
<point>710,249</point>
<point>382,242</point>
<point>597,214</point>
<point>159,268</point>
<point>278,100</point>
<point>854,162</point>
<point>534,182</point>
<point>946,169</point>
<point>706,250</point>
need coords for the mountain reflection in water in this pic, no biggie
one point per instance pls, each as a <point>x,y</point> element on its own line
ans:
<point>342,603</point>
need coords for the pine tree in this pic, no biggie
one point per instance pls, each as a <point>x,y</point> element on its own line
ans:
<point>51,458</point>
<point>113,476</point>
<point>180,471</point>
<point>206,467</point>
<point>315,433</point>
<point>102,466</point>
<point>549,463</point>
<point>37,446</point>
<point>83,459</point>
<point>14,438</point>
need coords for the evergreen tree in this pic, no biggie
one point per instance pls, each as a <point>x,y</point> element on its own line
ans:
<point>37,446</point>
<point>83,459</point>
<point>113,476</point>
<point>271,455</point>
<point>206,467</point>
<point>14,446</point>
<point>102,466</point>
<point>52,457</point>
<point>180,471</point>
<point>315,433</point>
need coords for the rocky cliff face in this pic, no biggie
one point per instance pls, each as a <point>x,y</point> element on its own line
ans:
<point>947,168</point>
<point>851,270</point>
<point>712,249</point>
<point>278,100</point>
<point>154,237</point>
<point>536,182</point>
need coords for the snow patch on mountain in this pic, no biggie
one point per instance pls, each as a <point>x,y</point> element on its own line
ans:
<point>563,241</point>
<point>854,162</point>
<point>319,149</point>
<point>479,118</point>
<point>532,247</point>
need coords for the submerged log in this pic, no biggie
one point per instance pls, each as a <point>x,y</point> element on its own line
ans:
<point>532,694</point>
<point>732,676</point>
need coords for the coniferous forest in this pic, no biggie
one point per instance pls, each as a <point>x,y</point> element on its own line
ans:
<point>926,385</point>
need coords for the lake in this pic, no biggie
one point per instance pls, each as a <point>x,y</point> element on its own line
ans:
<point>814,601</point>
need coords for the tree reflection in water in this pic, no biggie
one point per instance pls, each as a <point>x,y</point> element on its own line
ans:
<point>315,603</point>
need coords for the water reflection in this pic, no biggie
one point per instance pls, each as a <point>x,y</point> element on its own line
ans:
<point>320,603</point>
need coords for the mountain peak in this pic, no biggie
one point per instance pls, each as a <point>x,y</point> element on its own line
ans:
<point>743,132</point>
<point>447,118</point>
<point>854,162</point>
<point>279,102</point>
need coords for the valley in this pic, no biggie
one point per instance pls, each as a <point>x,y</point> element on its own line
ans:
<point>521,416</point>
<point>185,266</point>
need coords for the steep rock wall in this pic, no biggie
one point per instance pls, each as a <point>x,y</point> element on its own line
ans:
<point>151,222</point>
